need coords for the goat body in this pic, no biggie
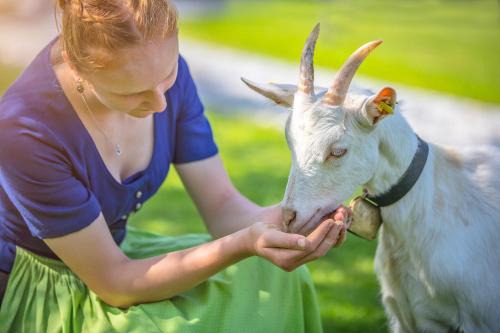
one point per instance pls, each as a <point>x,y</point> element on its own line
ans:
<point>438,256</point>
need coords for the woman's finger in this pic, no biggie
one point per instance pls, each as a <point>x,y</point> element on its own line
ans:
<point>341,214</point>
<point>342,236</point>
<point>318,235</point>
<point>283,249</point>
<point>274,238</point>
<point>328,242</point>
<point>347,219</point>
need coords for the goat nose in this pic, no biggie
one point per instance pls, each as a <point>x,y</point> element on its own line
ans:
<point>288,215</point>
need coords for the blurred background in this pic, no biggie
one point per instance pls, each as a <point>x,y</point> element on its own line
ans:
<point>442,56</point>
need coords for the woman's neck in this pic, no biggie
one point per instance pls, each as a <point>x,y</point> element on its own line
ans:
<point>68,81</point>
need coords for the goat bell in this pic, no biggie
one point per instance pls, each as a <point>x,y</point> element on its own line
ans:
<point>366,218</point>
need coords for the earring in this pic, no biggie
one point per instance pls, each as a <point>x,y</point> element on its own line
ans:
<point>79,85</point>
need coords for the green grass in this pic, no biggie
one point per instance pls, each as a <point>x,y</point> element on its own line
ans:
<point>8,74</point>
<point>257,160</point>
<point>443,45</point>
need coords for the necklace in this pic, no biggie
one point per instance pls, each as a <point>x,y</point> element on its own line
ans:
<point>80,88</point>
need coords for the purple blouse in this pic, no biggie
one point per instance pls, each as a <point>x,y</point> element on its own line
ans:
<point>52,179</point>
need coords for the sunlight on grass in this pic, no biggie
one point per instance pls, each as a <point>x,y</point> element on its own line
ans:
<point>8,74</point>
<point>365,266</point>
<point>449,46</point>
<point>329,276</point>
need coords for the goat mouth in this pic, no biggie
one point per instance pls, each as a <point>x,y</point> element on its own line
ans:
<point>313,222</point>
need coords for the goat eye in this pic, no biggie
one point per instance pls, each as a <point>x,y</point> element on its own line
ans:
<point>338,152</point>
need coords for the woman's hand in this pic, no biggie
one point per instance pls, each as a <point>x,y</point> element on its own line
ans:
<point>289,251</point>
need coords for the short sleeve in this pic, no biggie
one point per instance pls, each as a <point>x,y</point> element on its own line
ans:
<point>38,179</point>
<point>194,138</point>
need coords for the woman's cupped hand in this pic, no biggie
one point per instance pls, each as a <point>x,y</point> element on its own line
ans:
<point>289,251</point>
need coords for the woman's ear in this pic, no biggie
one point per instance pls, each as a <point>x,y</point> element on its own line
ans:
<point>380,105</point>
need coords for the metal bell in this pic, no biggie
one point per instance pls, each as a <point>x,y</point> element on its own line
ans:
<point>366,218</point>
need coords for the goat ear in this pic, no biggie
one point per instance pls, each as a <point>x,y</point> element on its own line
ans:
<point>281,94</point>
<point>380,105</point>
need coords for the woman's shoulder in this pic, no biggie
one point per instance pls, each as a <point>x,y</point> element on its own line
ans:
<point>30,113</point>
<point>184,86</point>
<point>183,66</point>
<point>22,132</point>
<point>36,81</point>
<point>183,73</point>
<point>182,89</point>
<point>34,103</point>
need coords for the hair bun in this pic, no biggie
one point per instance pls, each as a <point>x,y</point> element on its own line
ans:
<point>114,25</point>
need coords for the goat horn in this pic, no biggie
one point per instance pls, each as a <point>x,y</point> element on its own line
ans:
<point>338,90</point>
<point>306,81</point>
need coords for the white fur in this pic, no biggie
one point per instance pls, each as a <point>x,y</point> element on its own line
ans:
<point>438,255</point>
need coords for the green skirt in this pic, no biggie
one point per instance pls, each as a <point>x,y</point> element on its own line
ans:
<point>43,295</point>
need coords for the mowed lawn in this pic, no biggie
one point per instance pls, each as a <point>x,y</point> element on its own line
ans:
<point>258,160</point>
<point>442,45</point>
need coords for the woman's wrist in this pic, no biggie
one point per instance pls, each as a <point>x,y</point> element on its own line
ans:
<point>237,245</point>
<point>241,243</point>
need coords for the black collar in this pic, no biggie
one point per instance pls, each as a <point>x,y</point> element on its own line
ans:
<point>407,180</point>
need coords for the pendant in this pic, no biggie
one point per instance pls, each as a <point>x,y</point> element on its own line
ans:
<point>366,218</point>
<point>118,150</point>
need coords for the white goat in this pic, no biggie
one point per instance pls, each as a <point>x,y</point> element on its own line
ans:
<point>438,255</point>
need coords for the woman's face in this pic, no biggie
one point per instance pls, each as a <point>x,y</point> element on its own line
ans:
<point>137,85</point>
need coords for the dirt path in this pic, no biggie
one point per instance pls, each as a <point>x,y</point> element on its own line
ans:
<point>440,118</point>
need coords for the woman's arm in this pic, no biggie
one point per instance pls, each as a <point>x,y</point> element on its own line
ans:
<point>93,256</point>
<point>223,208</point>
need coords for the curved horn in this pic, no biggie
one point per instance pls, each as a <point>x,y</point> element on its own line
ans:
<point>306,81</point>
<point>338,90</point>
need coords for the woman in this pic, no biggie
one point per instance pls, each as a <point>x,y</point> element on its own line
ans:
<point>87,134</point>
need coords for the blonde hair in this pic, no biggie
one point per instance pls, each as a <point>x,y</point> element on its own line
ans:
<point>94,31</point>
